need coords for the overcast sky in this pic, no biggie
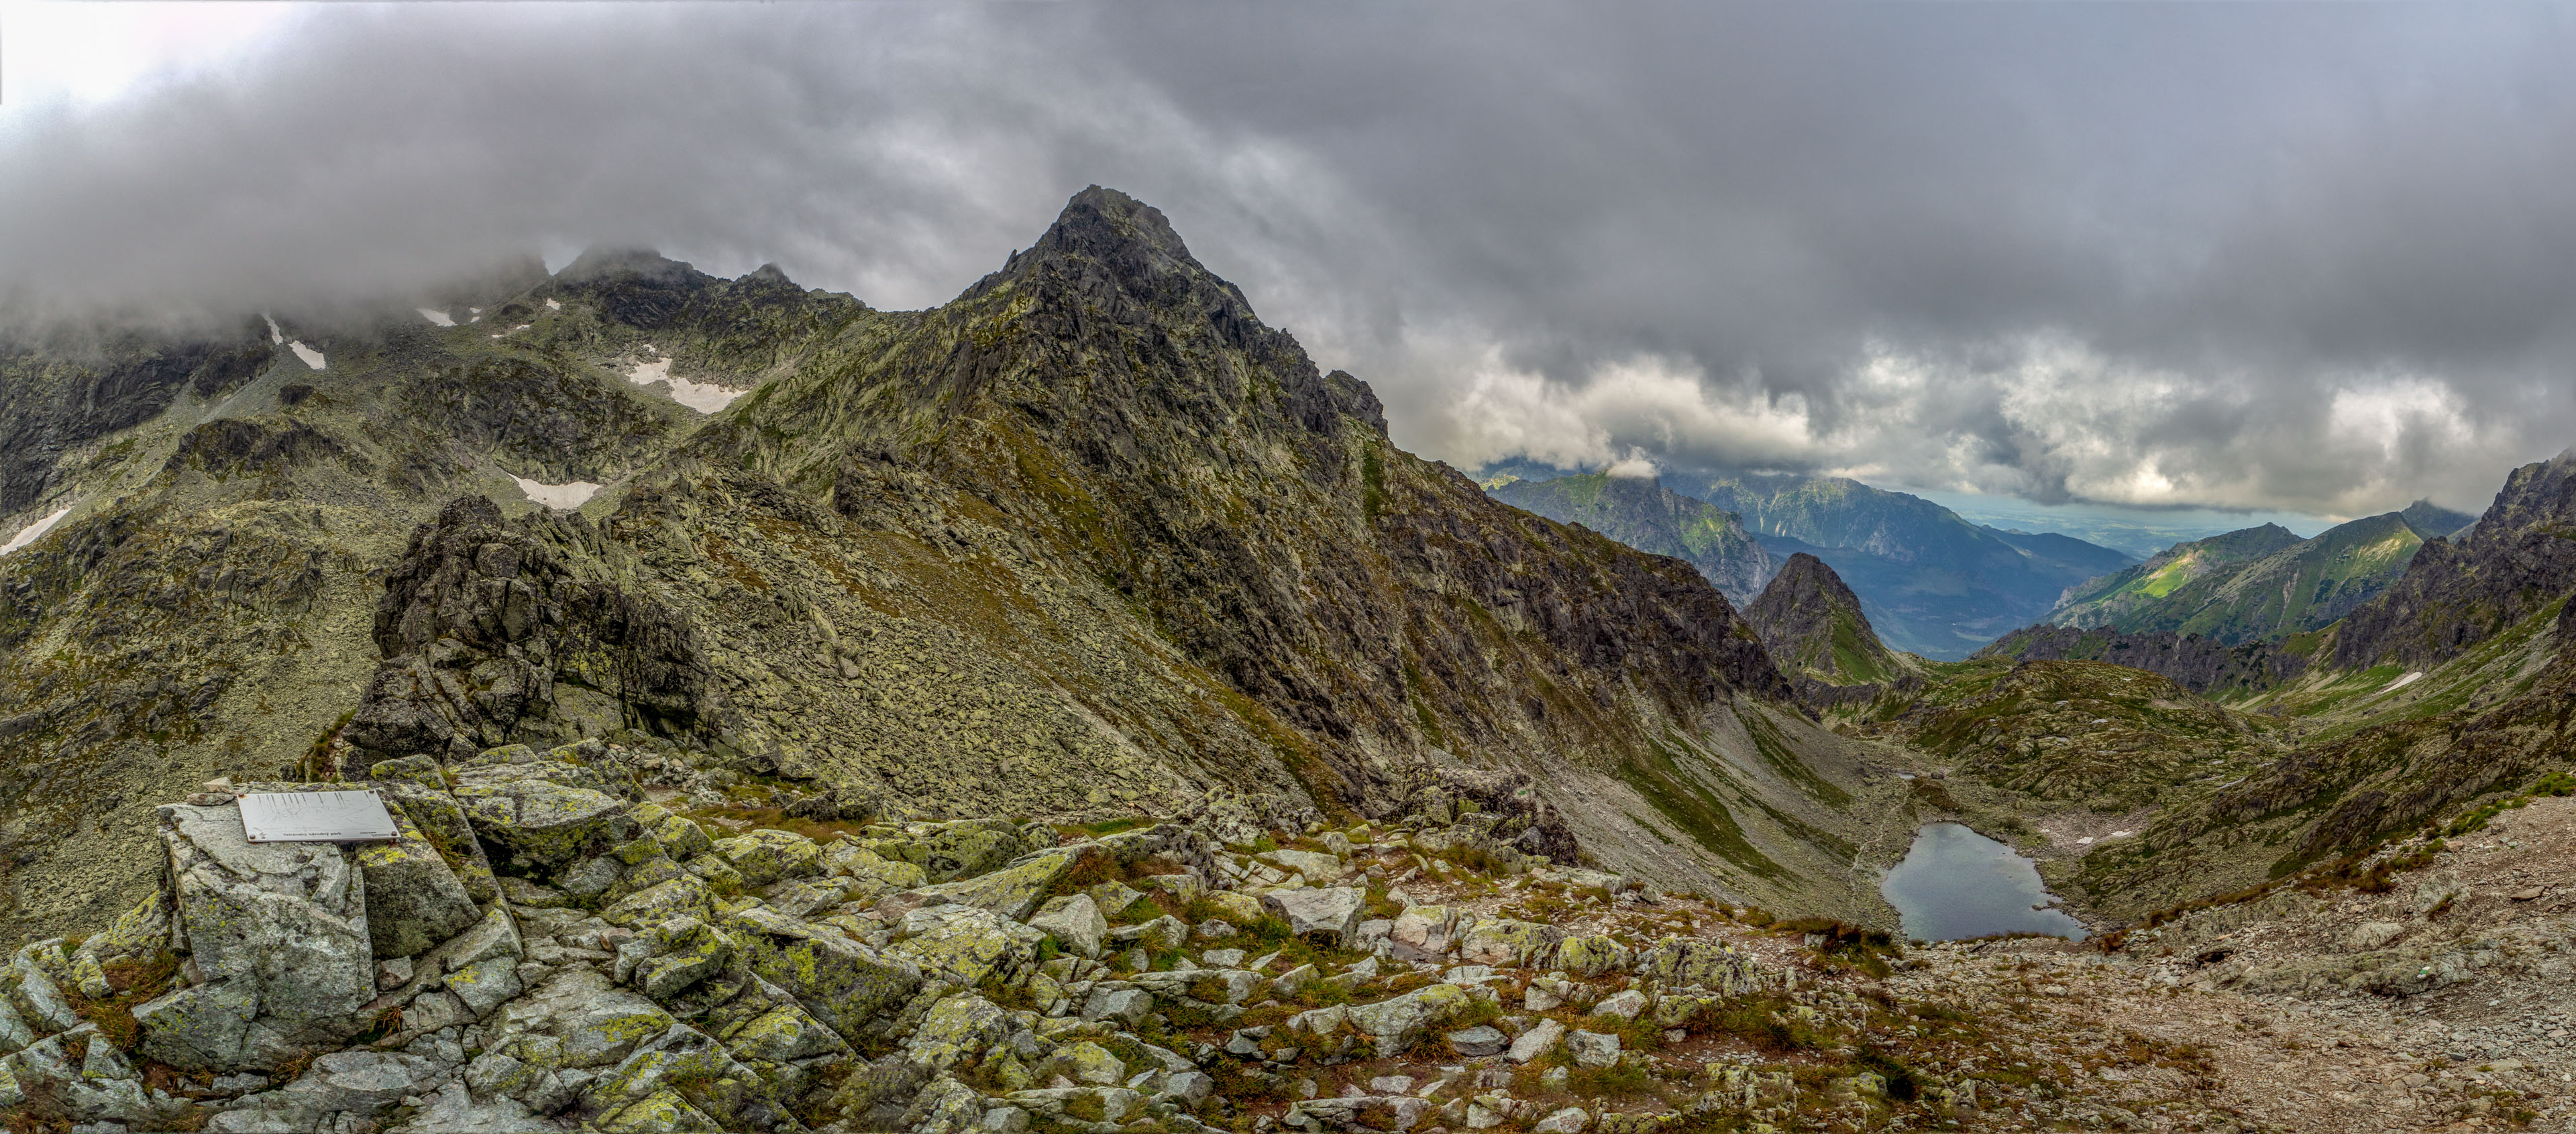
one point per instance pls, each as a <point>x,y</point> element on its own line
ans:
<point>2315,258</point>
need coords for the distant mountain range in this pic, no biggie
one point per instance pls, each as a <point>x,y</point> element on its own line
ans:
<point>2258,583</point>
<point>1642,513</point>
<point>1932,583</point>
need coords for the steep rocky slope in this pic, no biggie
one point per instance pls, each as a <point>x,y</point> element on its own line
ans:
<point>203,602</point>
<point>1088,541</point>
<point>2454,594</point>
<point>2251,586</point>
<point>1933,583</point>
<point>1816,633</point>
<point>1642,513</point>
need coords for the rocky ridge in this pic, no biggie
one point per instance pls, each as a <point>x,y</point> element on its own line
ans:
<point>2456,593</point>
<point>2203,665</point>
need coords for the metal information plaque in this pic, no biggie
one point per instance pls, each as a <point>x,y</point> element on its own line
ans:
<point>315,817</point>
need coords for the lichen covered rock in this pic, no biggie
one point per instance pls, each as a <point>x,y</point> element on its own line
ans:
<point>414,900</point>
<point>279,934</point>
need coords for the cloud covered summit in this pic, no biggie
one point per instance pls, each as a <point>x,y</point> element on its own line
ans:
<point>2294,257</point>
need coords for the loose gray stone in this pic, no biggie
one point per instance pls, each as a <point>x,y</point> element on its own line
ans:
<point>1478,1042</point>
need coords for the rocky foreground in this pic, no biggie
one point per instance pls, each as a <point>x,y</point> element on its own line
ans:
<point>598,938</point>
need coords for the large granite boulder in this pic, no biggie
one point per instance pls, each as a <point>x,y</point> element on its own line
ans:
<point>1698,963</point>
<point>765,856</point>
<point>586,765</point>
<point>1393,1024</point>
<point>414,900</point>
<point>1505,941</point>
<point>540,826</point>
<point>1331,913</point>
<point>964,944</point>
<point>584,1020</point>
<point>277,939</point>
<point>1075,923</point>
<point>1013,890</point>
<point>843,983</point>
<point>419,784</point>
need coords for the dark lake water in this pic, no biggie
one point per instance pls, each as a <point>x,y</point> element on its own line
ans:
<point>1956,883</point>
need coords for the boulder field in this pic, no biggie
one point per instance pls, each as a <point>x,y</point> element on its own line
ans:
<point>560,940</point>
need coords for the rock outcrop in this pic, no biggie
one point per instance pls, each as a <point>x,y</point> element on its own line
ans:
<point>483,620</point>
<point>2455,594</point>
<point>1816,632</point>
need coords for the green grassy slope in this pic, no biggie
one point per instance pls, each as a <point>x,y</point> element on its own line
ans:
<point>2251,585</point>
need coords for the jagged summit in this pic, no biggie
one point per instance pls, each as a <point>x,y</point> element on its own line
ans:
<point>1106,224</point>
<point>1813,625</point>
<point>2430,519</point>
<point>2513,562</point>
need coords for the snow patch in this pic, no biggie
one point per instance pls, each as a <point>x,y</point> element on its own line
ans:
<point>2403,682</point>
<point>554,305</point>
<point>436,318</point>
<point>561,497</point>
<point>35,531</point>
<point>311,357</point>
<point>275,336</point>
<point>704,397</point>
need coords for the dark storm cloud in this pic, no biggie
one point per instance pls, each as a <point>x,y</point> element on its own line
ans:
<point>2308,257</point>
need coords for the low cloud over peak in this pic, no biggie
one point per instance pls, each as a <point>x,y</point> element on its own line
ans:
<point>2316,258</point>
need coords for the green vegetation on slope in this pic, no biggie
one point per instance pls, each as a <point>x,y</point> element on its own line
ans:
<point>2107,737</point>
<point>2251,585</point>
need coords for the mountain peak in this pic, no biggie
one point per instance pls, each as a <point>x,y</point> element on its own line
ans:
<point>1812,623</point>
<point>607,263</point>
<point>2430,519</point>
<point>1110,227</point>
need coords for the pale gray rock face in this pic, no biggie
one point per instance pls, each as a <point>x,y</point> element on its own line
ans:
<point>1074,921</point>
<point>364,1082</point>
<point>1537,1041</point>
<point>414,900</point>
<point>1593,1049</point>
<point>1478,1042</point>
<point>452,1110</point>
<point>840,981</point>
<point>597,1022</point>
<point>277,933</point>
<point>1333,912</point>
<point>542,825</point>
